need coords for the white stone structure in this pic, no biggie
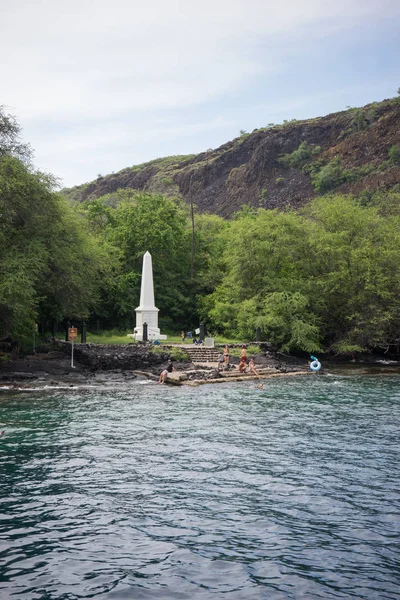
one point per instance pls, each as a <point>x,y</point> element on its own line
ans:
<point>147,312</point>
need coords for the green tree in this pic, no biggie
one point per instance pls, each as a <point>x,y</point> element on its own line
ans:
<point>143,222</point>
<point>327,275</point>
<point>10,141</point>
<point>48,264</point>
<point>355,275</point>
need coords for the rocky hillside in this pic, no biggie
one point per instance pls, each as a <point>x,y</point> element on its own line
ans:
<point>276,166</point>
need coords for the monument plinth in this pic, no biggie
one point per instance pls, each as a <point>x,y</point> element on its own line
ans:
<point>147,312</point>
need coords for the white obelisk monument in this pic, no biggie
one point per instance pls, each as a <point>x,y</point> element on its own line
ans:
<point>147,312</point>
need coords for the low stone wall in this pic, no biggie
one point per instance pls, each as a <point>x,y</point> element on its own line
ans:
<point>106,357</point>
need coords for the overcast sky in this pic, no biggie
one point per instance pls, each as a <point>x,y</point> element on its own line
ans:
<point>98,85</point>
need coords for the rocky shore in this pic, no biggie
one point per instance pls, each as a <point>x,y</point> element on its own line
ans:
<point>96,363</point>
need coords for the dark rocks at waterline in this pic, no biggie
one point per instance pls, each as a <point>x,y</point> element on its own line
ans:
<point>17,376</point>
<point>98,357</point>
<point>202,374</point>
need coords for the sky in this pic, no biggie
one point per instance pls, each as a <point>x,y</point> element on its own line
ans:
<point>98,86</point>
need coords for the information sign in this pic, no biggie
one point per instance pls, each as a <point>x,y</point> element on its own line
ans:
<point>72,334</point>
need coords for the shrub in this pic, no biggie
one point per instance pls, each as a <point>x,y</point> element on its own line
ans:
<point>329,177</point>
<point>359,120</point>
<point>179,355</point>
<point>345,348</point>
<point>298,158</point>
<point>394,155</point>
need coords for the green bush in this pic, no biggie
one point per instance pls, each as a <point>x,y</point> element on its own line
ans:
<point>394,155</point>
<point>329,177</point>
<point>362,118</point>
<point>300,157</point>
<point>179,355</point>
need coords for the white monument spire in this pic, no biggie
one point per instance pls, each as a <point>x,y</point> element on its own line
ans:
<point>147,288</point>
<point>147,312</point>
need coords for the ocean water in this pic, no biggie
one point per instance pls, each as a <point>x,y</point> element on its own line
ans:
<point>224,491</point>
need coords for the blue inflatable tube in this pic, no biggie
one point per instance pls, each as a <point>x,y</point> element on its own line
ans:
<point>315,365</point>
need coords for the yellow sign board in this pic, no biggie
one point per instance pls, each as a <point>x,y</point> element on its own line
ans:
<point>72,334</point>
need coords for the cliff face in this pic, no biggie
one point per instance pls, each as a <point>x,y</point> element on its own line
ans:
<point>249,169</point>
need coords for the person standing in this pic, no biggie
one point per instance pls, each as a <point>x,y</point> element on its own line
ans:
<point>226,356</point>
<point>183,337</point>
<point>243,353</point>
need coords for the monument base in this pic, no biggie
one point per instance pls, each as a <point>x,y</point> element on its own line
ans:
<point>153,333</point>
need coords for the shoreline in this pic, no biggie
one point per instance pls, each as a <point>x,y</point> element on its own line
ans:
<point>54,370</point>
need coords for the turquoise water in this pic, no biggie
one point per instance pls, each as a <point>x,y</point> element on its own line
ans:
<point>223,491</point>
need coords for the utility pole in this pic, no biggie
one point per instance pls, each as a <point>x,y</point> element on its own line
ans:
<point>192,255</point>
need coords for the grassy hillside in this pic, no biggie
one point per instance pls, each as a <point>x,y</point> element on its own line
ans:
<point>276,166</point>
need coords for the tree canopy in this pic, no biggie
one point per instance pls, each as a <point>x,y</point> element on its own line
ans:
<point>49,261</point>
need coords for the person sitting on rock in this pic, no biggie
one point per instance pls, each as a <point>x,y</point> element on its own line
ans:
<point>252,367</point>
<point>242,365</point>
<point>164,373</point>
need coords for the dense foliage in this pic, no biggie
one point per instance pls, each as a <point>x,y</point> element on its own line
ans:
<point>325,277</point>
<point>138,223</point>
<point>49,262</point>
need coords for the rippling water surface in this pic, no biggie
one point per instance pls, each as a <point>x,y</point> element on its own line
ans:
<point>224,491</point>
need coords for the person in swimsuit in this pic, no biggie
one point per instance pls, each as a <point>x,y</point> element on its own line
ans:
<point>226,356</point>
<point>243,353</point>
<point>252,367</point>
<point>242,365</point>
<point>164,373</point>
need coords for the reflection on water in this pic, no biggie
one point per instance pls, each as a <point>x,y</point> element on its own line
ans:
<point>214,492</point>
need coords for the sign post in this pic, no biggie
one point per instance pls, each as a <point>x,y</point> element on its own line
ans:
<point>72,337</point>
<point>35,330</point>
